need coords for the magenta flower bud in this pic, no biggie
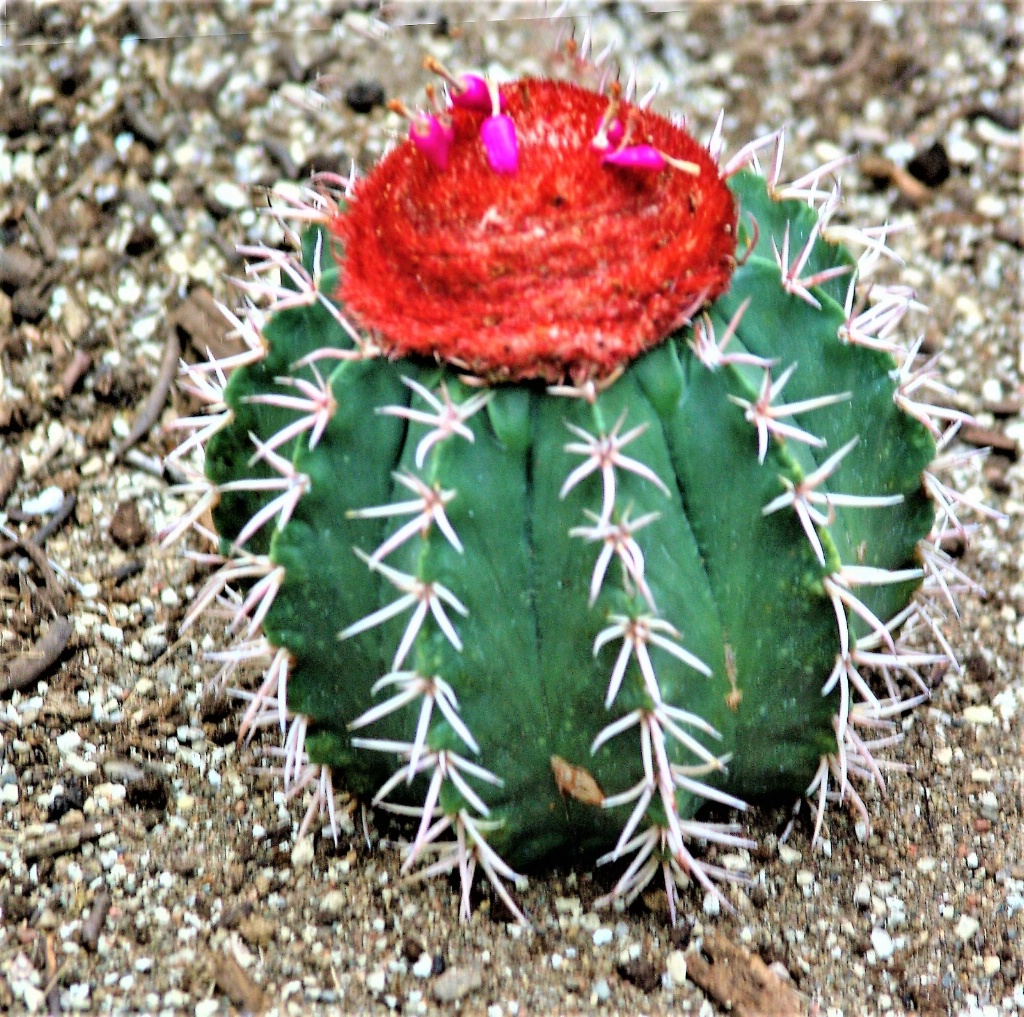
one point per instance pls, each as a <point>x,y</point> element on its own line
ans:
<point>609,132</point>
<point>644,157</point>
<point>498,133</point>
<point>433,138</point>
<point>471,92</point>
<point>615,132</point>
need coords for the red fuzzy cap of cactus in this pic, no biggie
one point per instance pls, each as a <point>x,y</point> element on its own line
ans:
<point>565,269</point>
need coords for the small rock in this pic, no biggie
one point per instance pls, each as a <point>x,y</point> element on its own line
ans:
<point>68,742</point>
<point>979,715</point>
<point>256,931</point>
<point>302,853</point>
<point>362,96</point>
<point>375,981</point>
<point>641,973</point>
<point>882,943</point>
<point>931,166</point>
<point>126,526</point>
<point>230,195</point>
<point>862,895</point>
<point>334,903</point>
<point>991,965</point>
<point>967,927</point>
<point>602,936</point>
<point>9,794</point>
<point>789,856</point>
<point>19,268</point>
<point>602,990</point>
<point>47,501</point>
<point>457,982</point>
<point>676,967</point>
<point>207,1007</point>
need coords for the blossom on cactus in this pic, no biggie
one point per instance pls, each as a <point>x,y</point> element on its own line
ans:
<point>533,546</point>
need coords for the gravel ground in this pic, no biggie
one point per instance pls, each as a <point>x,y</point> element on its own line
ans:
<point>143,868</point>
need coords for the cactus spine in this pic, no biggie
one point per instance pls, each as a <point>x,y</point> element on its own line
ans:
<point>544,573</point>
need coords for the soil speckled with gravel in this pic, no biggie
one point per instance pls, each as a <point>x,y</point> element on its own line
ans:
<point>143,867</point>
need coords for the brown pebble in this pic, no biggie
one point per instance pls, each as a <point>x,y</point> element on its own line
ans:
<point>457,982</point>
<point>641,973</point>
<point>18,268</point>
<point>126,526</point>
<point>256,930</point>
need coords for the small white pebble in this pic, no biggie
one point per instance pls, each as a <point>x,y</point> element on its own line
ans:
<point>979,715</point>
<point>602,936</point>
<point>207,1007</point>
<point>789,856</point>
<point>68,741</point>
<point>967,927</point>
<point>676,967</point>
<point>9,794</point>
<point>375,981</point>
<point>882,943</point>
<point>48,500</point>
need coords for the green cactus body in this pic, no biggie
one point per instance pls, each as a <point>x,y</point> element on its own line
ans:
<point>556,620</point>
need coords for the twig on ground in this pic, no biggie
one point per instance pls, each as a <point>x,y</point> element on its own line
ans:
<point>154,404</point>
<point>93,925</point>
<point>31,665</point>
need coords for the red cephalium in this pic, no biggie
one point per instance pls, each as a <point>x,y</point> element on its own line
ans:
<point>565,269</point>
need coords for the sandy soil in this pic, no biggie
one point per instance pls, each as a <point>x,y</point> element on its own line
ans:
<point>143,868</point>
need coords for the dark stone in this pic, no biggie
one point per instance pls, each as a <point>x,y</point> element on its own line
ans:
<point>126,526</point>
<point>362,96</point>
<point>931,166</point>
<point>641,973</point>
<point>72,798</point>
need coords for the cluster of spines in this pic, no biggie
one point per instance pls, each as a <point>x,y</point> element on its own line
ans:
<point>662,843</point>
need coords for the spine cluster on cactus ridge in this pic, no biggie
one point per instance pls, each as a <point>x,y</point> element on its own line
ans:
<point>639,650</point>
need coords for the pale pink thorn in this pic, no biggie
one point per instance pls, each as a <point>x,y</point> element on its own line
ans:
<point>493,865</point>
<point>707,791</point>
<point>396,702</point>
<point>836,587</point>
<point>716,140</point>
<point>467,792</point>
<point>806,186</point>
<point>412,630</point>
<point>747,153</point>
<point>646,793</point>
<point>262,594</point>
<point>649,96</point>
<point>208,500</point>
<point>294,753</point>
<point>630,87</point>
<point>215,585</point>
<point>819,784</point>
<point>616,727</point>
<point>780,148</point>
<point>211,425</point>
<point>422,727</point>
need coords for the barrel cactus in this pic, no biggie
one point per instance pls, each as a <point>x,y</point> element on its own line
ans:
<point>572,478</point>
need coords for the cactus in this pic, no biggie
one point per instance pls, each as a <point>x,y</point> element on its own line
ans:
<point>572,479</point>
